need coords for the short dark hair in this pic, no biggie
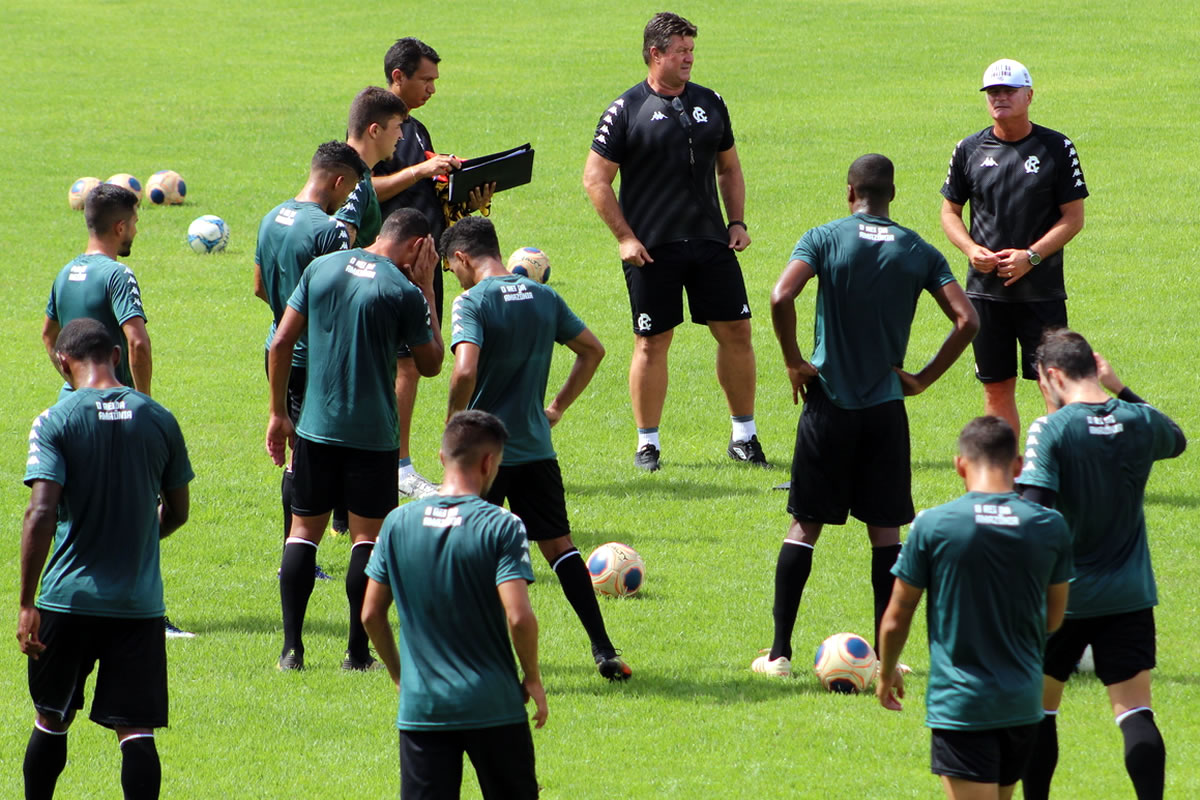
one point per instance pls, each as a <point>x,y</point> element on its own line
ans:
<point>85,339</point>
<point>335,156</point>
<point>988,440</point>
<point>373,106</point>
<point>106,205</point>
<point>475,236</point>
<point>405,55</point>
<point>872,176</point>
<point>659,30</point>
<point>404,223</point>
<point>469,433</point>
<point>1067,351</point>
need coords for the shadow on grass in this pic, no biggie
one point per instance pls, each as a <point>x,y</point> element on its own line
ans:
<point>1172,500</point>
<point>657,486</point>
<point>266,624</point>
<point>733,689</point>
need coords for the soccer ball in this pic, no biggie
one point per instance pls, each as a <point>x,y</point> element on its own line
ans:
<point>166,187</point>
<point>208,234</point>
<point>129,182</point>
<point>616,569</point>
<point>845,663</point>
<point>79,192</point>
<point>530,262</point>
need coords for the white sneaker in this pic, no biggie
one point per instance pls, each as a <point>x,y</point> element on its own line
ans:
<point>175,632</point>
<point>415,486</point>
<point>778,668</point>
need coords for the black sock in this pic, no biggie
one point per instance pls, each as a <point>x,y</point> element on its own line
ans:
<point>356,589</point>
<point>1145,754</point>
<point>285,492</point>
<point>577,586</point>
<point>882,580</point>
<point>45,757</point>
<point>141,772</point>
<point>1040,770</point>
<point>296,578</point>
<point>791,574</point>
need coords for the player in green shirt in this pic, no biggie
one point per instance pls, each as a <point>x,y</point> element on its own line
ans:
<point>373,130</point>
<point>997,568</point>
<point>504,330</point>
<point>1091,458</point>
<point>101,598</point>
<point>458,569</point>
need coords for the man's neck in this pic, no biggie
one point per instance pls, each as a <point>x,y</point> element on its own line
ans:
<point>1084,391</point>
<point>871,209</point>
<point>87,375</point>
<point>661,87</point>
<point>97,246</point>
<point>488,268</point>
<point>1012,130</point>
<point>456,484</point>
<point>313,193</point>
<point>988,479</point>
<point>360,146</point>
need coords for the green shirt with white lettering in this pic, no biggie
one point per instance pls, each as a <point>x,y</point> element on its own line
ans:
<point>361,210</point>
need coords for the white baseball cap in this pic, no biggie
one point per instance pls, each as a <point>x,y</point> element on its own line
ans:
<point>1006,72</point>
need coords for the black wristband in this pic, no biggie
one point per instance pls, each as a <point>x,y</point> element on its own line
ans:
<point>733,222</point>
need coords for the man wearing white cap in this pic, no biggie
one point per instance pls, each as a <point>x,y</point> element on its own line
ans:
<point>1026,191</point>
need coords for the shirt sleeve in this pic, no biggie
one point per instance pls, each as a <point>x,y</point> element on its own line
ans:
<point>45,461</point>
<point>376,568</point>
<point>913,565</point>
<point>957,187</point>
<point>1069,182</point>
<point>1041,466</point>
<point>331,239</point>
<point>52,303</point>
<point>610,136</point>
<point>1165,432</point>
<point>416,319</point>
<point>464,320</point>
<point>514,563</point>
<point>1060,535</point>
<point>808,250</point>
<point>727,135</point>
<point>939,268</point>
<point>356,204</point>
<point>569,325</point>
<point>299,298</point>
<point>178,471</point>
<point>125,296</point>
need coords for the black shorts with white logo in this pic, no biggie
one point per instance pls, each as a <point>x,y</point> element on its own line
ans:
<point>431,763</point>
<point>993,756</point>
<point>295,388</point>
<point>327,476</point>
<point>851,461</point>
<point>1122,646</point>
<point>707,269</point>
<point>1002,326</point>
<point>535,494</point>
<point>131,684</point>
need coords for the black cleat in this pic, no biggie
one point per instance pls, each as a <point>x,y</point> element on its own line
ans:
<point>749,451</point>
<point>647,458</point>
<point>292,659</point>
<point>610,665</point>
<point>352,664</point>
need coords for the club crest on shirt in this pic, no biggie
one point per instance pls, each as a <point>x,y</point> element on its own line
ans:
<point>1032,165</point>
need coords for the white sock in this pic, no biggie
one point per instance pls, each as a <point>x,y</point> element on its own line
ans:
<point>648,436</point>
<point>406,470</point>
<point>742,431</point>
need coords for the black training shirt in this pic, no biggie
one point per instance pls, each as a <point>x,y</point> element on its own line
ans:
<point>421,195</point>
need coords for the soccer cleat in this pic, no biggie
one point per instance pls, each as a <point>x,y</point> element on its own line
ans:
<point>290,660</point>
<point>415,486</point>
<point>777,668</point>
<point>321,574</point>
<point>786,486</point>
<point>610,665</point>
<point>647,458</point>
<point>352,664</point>
<point>174,632</point>
<point>748,451</point>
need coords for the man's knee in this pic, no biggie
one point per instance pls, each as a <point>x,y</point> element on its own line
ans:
<point>553,548</point>
<point>735,333</point>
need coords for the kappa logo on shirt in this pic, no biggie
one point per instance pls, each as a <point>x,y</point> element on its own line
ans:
<point>989,162</point>
<point>1032,165</point>
<point>657,115</point>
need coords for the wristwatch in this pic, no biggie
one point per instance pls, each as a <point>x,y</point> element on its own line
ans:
<point>1034,258</point>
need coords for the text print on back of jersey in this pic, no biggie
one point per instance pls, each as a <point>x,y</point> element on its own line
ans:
<point>78,273</point>
<point>515,292</point>
<point>875,233</point>
<point>1104,426</point>
<point>438,517</point>
<point>361,269</point>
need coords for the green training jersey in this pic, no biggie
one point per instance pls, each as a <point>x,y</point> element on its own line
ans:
<point>362,211</point>
<point>442,558</point>
<point>515,322</point>
<point>870,274</point>
<point>291,235</point>
<point>112,451</point>
<point>97,287</point>
<point>1097,458</point>
<point>985,561</point>
<point>360,308</point>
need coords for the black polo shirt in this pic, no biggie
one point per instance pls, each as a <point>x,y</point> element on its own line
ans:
<point>421,195</point>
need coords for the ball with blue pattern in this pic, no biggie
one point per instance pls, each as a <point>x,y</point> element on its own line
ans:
<point>208,234</point>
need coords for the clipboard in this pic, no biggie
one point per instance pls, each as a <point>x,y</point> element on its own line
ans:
<point>506,169</point>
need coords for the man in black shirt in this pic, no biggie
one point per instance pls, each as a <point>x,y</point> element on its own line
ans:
<point>1026,191</point>
<point>672,142</point>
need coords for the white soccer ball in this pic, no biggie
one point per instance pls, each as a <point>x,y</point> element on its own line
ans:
<point>79,191</point>
<point>616,569</point>
<point>129,182</point>
<point>530,262</point>
<point>166,188</point>
<point>845,663</point>
<point>208,234</point>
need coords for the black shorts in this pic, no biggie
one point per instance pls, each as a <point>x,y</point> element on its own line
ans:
<point>327,476</point>
<point>709,271</point>
<point>1122,646</point>
<point>131,685</point>
<point>431,763</point>
<point>535,494</point>
<point>295,388</point>
<point>996,756</point>
<point>851,462</point>
<point>1002,326</point>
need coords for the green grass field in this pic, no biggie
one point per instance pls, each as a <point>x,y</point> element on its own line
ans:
<point>236,96</point>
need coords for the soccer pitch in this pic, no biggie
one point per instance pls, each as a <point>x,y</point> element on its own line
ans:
<point>236,97</point>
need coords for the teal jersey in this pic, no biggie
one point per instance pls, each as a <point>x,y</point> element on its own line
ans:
<point>360,309</point>
<point>97,287</point>
<point>985,561</point>
<point>291,235</point>
<point>1097,458</point>
<point>515,322</point>
<point>870,274</point>
<point>112,451</point>
<point>442,558</point>
<point>362,211</point>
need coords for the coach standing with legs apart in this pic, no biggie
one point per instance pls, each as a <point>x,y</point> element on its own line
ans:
<point>1026,191</point>
<point>672,142</point>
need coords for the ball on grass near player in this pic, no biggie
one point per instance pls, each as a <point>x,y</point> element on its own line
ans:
<point>166,188</point>
<point>129,182</point>
<point>208,234</point>
<point>845,663</point>
<point>80,189</point>
<point>616,569</point>
<point>530,262</point>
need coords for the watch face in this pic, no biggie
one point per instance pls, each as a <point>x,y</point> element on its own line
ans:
<point>1034,258</point>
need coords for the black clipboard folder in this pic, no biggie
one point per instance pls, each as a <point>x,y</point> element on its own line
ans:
<point>506,169</point>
